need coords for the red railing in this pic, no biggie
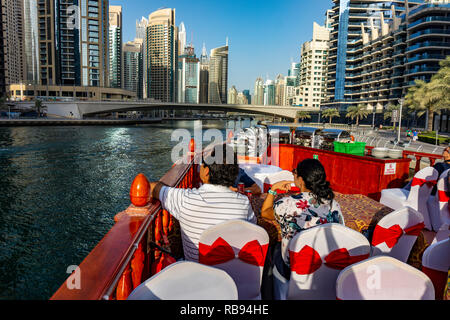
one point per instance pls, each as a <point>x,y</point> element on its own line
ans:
<point>418,156</point>
<point>123,259</point>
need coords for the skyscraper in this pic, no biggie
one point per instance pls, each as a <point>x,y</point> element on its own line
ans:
<point>258,97</point>
<point>13,44</point>
<point>188,77</point>
<point>132,67</point>
<point>279,90</point>
<point>2,56</point>
<point>204,76</point>
<point>72,54</point>
<point>232,95</point>
<point>247,95</point>
<point>182,38</point>
<point>141,35</point>
<point>31,41</point>
<point>161,55</point>
<point>313,73</point>
<point>218,75</point>
<point>115,46</point>
<point>269,93</point>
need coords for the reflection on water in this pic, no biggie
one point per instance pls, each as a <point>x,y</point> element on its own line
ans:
<point>60,188</point>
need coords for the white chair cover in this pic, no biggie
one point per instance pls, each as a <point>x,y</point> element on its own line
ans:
<point>187,281</point>
<point>402,221</point>
<point>238,234</point>
<point>436,263</point>
<point>325,240</point>
<point>440,200</point>
<point>418,196</point>
<point>259,172</point>
<point>277,177</point>
<point>383,278</point>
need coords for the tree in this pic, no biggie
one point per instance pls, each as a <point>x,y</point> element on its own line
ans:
<point>330,113</point>
<point>302,115</point>
<point>359,112</point>
<point>38,107</point>
<point>431,97</point>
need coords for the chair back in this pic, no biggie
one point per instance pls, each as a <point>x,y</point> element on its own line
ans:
<point>421,187</point>
<point>277,177</point>
<point>443,195</point>
<point>383,278</point>
<point>436,263</point>
<point>317,255</point>
<point>187,281</point>
<point>239,248</point>
<point>396,233</point>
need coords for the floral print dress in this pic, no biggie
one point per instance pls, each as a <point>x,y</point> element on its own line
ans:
<point>300,212</point>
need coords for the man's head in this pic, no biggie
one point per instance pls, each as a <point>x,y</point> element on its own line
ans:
<point>220,167</point>
<point>446,154</point>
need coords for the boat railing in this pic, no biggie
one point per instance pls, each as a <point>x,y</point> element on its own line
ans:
<point>129,252</point>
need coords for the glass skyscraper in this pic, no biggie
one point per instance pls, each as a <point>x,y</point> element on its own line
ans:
<point>218,76</point>
<point>115,46</point>
<point>161,55</point>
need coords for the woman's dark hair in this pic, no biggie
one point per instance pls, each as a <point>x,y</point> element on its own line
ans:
<point>313,174</point>
<point>223,166</point>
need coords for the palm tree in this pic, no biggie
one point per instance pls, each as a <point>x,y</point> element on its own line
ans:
<point>433,96</point>
<point>38,107</point>
<point>359,112</point>
<point>302,115</point>
<point>330,113</point>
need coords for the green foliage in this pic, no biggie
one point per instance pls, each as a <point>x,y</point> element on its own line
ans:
<point>302,115</point>
<point>359,112</point>
<point>330,113</point>
<point>433,96</point>
<point>430,137</point>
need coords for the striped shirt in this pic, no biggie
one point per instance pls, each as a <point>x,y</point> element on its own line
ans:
<point>199,209</point>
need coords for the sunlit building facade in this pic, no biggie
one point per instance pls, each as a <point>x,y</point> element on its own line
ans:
<point>218,76</point>
<point>115,46</point>
<point>161,56</point>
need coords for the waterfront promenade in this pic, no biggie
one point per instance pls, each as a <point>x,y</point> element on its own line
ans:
<point>74,122</point>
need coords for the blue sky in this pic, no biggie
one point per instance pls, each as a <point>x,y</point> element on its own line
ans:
<point>263,35</point>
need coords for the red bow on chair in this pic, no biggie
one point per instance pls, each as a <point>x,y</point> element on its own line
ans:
<point>420,182</point>
<point>443,196</point>
<point>308,261</point>
<point>220,252</point>
<point>392,235</point>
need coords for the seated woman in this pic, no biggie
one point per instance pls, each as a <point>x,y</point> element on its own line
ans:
<point>313,206</point>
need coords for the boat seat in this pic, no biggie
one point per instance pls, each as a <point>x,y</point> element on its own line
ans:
<point>421,186</point>
<point>396,233</point>
<point>317,256</point>
<point>187,281</point>
<point>239,248</point>
<point>436,263</point>
<point>383,278</point>
<point>438,204</point>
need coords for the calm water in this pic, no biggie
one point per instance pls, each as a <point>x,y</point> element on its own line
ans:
<point>60,188</point>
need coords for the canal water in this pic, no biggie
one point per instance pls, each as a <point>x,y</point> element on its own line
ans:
<point>60,188</point>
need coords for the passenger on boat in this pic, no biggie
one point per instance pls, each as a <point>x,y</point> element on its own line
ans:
<point>313,206</point>
<point>249,184</point>
<point>211,204</point>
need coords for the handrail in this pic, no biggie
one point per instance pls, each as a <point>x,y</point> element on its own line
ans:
<point>103,268</point>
